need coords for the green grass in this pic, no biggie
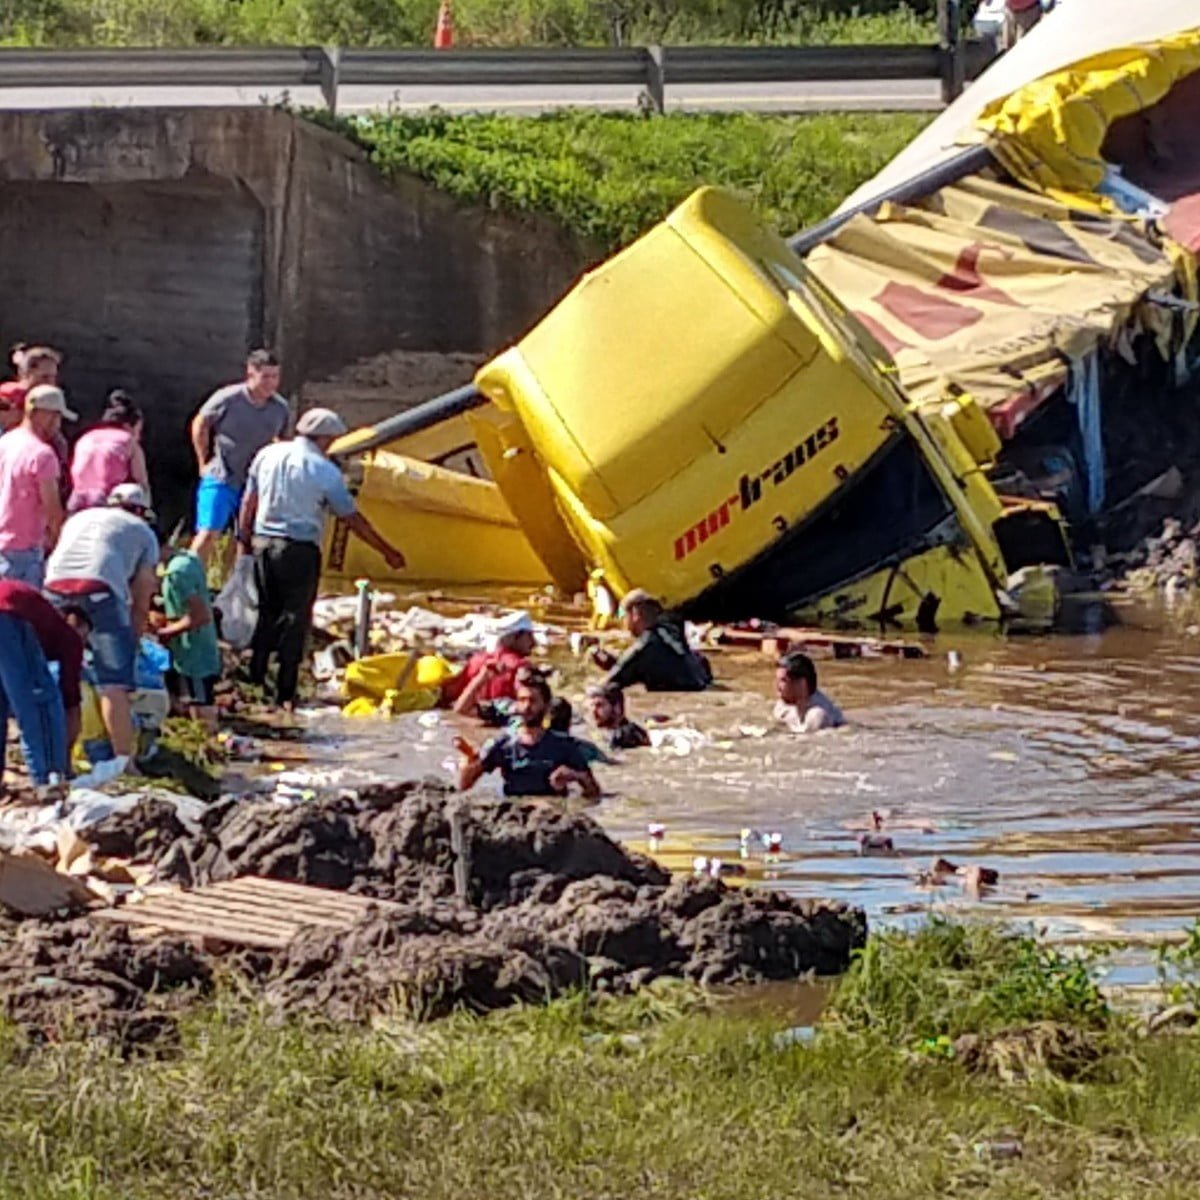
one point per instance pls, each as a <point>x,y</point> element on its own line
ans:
<point>695,1101</point>
<point>477,22</point>
<point>608,177</point>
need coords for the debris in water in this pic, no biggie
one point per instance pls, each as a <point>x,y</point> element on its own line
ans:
<point>977,880</point>
<point>875,845</point>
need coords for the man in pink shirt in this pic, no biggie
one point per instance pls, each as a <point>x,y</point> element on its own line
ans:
<point>31,512</point>
<point>1020,16</point>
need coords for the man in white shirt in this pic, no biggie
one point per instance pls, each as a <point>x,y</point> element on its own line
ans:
<point>290,488</point>
<point>801,706</point>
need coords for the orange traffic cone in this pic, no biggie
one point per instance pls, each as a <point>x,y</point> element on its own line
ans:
<point>443,35</point>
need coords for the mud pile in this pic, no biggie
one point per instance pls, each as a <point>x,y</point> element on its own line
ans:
<point>392,842</point>
<point>551,903</point>
<point>81,976</point>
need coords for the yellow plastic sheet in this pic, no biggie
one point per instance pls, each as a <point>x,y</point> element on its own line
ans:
<point>1049,133</point>
<point>407,682</point>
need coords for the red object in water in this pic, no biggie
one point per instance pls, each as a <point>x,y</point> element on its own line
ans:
<point>443,35</point>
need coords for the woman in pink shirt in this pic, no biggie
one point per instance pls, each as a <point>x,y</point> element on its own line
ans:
<point>108,455</point>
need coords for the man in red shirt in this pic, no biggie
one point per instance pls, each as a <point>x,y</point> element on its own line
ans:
<point>33,635</point>
<point>492,676</point>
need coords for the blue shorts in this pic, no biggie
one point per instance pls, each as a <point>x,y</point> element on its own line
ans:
<point>112,642</point>
<point>217,504</point>
<point>23,566</point>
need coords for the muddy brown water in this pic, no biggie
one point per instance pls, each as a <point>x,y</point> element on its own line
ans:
<point>1071,765</point>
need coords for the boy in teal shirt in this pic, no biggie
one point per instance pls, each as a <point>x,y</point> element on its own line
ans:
<point>191,635</point>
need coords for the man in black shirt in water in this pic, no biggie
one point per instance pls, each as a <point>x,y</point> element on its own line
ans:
<point>607,703</point>
<point>660,659</point>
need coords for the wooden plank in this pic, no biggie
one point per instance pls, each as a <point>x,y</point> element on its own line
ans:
<point>172,924</point>
<point>182,905</point>
<point>234,928</point>
<point>249,911</point>
<point>304,892</point>
<point>301,893</point>
<point>233,906</point>
<point>776,641</point>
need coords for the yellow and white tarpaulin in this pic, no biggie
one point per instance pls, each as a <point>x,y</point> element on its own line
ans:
<point>995,290</point>
<point>1111,53</point>
<point>990,290</point>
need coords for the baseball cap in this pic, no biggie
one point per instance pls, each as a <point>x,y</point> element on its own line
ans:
<point>321,422</point>
<point>46,398</point>
<point>130,495</point>
<point>635,597</point>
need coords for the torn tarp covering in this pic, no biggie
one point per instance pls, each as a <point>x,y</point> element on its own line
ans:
<point>993,290</point>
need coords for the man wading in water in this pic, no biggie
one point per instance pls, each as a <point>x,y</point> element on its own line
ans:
<point>660,659</point>
<point>801,707</point>
<point>534,760</point>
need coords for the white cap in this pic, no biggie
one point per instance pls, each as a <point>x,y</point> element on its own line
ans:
<point>129,495</point>
<point>515,622</point>
<point>46,398</point>
<point>320,422</point>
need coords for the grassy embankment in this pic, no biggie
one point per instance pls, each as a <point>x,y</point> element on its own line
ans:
<point>658,1096</point>
<point>609,177</point>
<point>477,22</point>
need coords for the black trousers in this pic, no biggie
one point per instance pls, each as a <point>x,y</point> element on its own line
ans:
<point>286,574</point>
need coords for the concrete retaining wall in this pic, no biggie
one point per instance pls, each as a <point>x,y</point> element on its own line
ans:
<point>155,246</point>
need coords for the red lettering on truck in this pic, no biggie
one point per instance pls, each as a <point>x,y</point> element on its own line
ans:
<point>750,488</point>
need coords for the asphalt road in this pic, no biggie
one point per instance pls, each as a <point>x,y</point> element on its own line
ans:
<point>850,95</point>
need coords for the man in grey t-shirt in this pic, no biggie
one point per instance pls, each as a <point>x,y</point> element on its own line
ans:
<point>104,566</point>
<point>232,426</point>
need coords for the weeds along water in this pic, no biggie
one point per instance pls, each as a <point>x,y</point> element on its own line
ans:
<point>958,1059</point>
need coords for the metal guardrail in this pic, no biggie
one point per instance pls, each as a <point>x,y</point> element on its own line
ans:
<point>492,67</point>
<point>653,68</point>
<point>293,67</point>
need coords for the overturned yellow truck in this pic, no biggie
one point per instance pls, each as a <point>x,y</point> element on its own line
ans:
<point>896,420</point>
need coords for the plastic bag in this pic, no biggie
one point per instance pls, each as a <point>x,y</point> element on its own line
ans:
<point>152,663</point>
<point>238,604</point>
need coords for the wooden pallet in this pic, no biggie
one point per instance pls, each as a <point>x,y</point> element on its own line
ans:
<point>775,642</point>
<point>263,913</point>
